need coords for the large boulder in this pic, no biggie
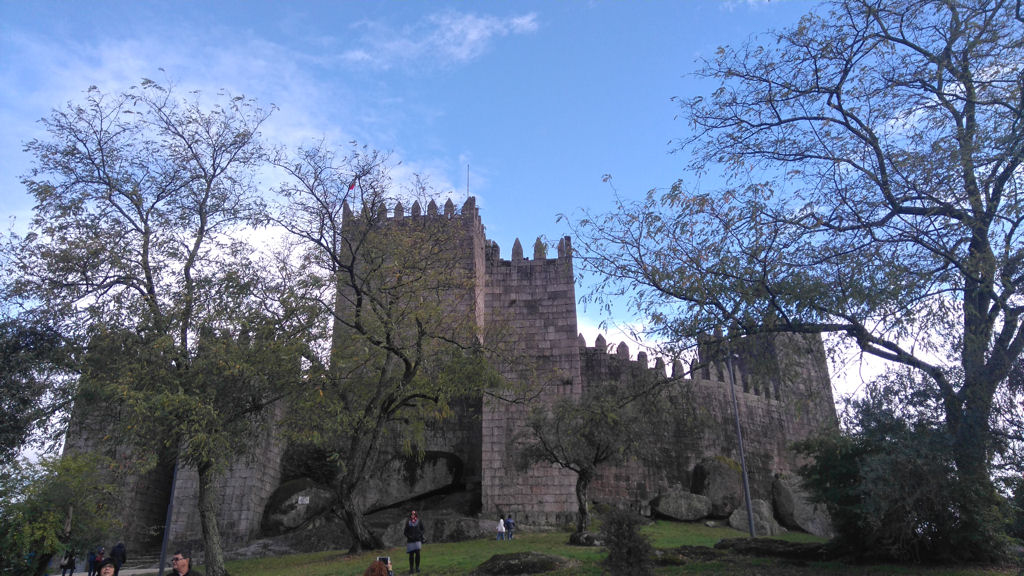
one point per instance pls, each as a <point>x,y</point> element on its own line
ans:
<point>680,504</point>
<point>794,508</point>
<point>799,551</point>
<point>400,481</point>
<point>764,520</point>
<point>584,539</point>
<point>293,504</point>
<point>522,563</point>
<point>720,479</point>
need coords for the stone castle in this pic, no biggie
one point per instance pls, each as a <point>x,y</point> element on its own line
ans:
<point>782,387</point>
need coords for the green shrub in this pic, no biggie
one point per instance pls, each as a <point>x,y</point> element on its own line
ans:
<point>891,485</point>
<point>629,551</point>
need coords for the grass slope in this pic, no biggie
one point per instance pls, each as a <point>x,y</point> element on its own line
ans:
<point>460,558</point>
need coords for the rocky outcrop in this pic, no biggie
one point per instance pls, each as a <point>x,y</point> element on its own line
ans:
<point>794,508</point>
<point>293,504</point>
<point>400,481</point>
<point>523,563</point>
<point>764,519</point>
<point>802,551</point>
<point>680,504</point>
<point>720,479</point>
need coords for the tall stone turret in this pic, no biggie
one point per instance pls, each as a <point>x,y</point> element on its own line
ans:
<point>535,302</point>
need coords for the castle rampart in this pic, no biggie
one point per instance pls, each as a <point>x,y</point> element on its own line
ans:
<point>780,397</point>
<point>527,306</point>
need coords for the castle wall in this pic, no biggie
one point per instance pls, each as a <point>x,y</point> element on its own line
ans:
<point>243,492</point>
<point>143,498</point>
<point>527,308</point>
<point>534,302</point>
<point>783,394</point>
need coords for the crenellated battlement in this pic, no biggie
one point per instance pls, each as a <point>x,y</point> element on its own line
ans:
<point>563,251</point>
<point>709,368</point>
<point>468,215</point>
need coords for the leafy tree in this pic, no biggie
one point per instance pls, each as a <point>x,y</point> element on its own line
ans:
<point>1008,430</point>
<point>55,505</point>
<point>392,334</point>
<point>1016,528</point>
<point>133,252</point>
<point>873,161</point>
<point>580,434</point>
<point>1008,425</point>
<point>33,385</point>
<point>890,483</point>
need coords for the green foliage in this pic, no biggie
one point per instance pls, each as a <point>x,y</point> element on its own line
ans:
<point>580,434</point>
<point>891,484</point>
<point>391,334</point>
<point>51,506</point>
<point>602,426</point>
<point>874,191</point>
<point>1016,501</point>
<point>134,255</point>
<point>33,388</point>
<point>629,551</point>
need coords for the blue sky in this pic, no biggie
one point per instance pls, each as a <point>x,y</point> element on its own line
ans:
<point>538,99</point>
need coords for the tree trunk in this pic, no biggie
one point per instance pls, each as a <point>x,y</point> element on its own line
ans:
<point>971,438</point>
<point>41,564</point>
<point>208,518</point>
<point>582,502</point>
<point>66,536</point>
<point>362,537</point>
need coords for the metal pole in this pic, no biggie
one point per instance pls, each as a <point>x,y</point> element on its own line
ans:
<point>167,521</point>
<point>739,438</point>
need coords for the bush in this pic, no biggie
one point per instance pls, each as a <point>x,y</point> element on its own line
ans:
<point>891,486</point>
<point>1016,501</point>
<point>629,551</point>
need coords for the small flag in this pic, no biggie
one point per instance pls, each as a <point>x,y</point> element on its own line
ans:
<point>352,186</point>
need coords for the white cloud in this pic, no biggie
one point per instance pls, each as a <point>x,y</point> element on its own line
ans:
<point>47,72</point>
<point>439,40</point>
<point>734,4</point>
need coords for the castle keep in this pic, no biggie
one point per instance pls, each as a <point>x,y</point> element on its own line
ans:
<point>782,384</point>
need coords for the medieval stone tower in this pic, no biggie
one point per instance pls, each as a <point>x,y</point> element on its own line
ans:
<point>782,382</point>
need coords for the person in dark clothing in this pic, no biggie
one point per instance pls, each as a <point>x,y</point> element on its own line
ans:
<point>67,564</point>
<point>510,527</point>
<point>119,555</point>
<point>181,564</point>
<point>414,532</point>
<point>90,562</point>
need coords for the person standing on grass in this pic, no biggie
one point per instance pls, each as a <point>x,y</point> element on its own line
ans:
<point>414,533</point>
<point>501,528</point>
<point>510,527</point>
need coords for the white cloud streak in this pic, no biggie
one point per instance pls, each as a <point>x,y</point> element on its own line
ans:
<point>444,39</point>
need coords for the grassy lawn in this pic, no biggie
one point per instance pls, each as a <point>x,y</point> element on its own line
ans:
<point>459,558</point>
